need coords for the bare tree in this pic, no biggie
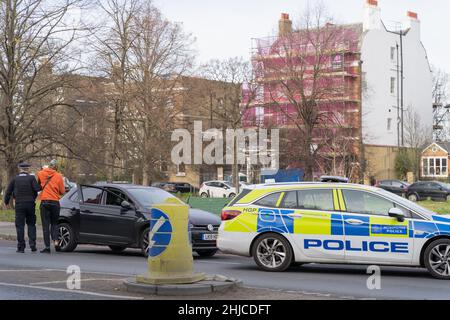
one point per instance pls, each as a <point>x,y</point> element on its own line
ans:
<point>114,50</point>
<point>417,136</point>
<point>36,52</point>
<point>440,107</point>
<point>161,55</point>
<point>234,91</point>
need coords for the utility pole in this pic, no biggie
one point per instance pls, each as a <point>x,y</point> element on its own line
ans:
<point>401,34</point>
<point>401,92</point>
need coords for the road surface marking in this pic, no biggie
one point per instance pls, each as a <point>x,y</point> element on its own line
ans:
<point>81,280</point>
<point>89,293</point>
<point>215,262</point>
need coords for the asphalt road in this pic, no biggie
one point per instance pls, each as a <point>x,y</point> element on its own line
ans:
<point>339,281</point>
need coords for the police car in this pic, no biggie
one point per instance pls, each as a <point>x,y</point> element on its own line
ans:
<point>283,224</point>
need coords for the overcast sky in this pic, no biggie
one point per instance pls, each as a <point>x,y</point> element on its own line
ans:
<point>224,28</point>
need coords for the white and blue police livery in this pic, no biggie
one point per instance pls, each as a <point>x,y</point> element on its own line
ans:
<point>282,224</point>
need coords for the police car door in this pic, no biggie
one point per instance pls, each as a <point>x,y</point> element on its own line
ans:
<point>318,226</point>
<point>371,235</point>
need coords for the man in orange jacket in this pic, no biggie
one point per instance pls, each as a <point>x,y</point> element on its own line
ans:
<point>53,189</point>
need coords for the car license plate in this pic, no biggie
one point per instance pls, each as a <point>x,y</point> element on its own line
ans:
<point>210,237</point>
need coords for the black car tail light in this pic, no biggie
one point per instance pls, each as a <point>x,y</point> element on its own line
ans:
<point>229,214</point>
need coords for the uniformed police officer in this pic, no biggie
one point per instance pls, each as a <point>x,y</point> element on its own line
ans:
<point>24,189</point>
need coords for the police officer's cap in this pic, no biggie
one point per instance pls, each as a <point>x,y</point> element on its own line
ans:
<point>24,165</point>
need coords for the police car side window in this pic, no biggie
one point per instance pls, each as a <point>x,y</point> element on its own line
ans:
<point>315,200</point>
<point>366,203</point>
<point>290,200</point>
<point>269,201</point>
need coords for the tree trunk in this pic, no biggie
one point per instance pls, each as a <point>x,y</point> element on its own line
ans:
<point>145,174</point>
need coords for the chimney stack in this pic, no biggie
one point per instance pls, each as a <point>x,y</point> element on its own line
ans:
<point>412,15</point>
<point>413,23</point>
<point>372,15</point>
<point>284,25</point>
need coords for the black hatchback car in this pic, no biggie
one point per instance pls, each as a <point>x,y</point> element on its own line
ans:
<point>117,215</point>
<point>398,187</point>
<point>423,190</point>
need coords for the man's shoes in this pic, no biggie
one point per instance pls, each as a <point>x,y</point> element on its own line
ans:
<point>33,249</point>
<point>20,250</point>
<point>46,250</point>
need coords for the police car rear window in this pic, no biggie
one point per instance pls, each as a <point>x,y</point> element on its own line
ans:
<point>270,201</point>
<point>240,196</point>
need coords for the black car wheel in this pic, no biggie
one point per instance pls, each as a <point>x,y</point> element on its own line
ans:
<point>144,242</point>
<point>117,249</point>
<point>206,253</point>
<point>272,252</point>
<point>413,197</point>
<point>66,237</point>
<point>437,259</point>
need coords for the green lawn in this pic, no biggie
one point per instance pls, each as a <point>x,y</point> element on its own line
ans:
<point>9,216</point>
<point>436,206</point>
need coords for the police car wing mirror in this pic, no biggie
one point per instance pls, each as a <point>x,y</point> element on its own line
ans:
<point>398,214</point>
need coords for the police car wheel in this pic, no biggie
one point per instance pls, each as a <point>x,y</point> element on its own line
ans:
<point>232,195</point>
<point>272,252</point>
<point>117,249</point>
<point>437,259</point>
<point>206,253</point>
<point>66,237</point>
<point>144,242</point>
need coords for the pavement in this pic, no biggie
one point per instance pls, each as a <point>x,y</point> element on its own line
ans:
<point>8,231</point>
<point>19,274</point>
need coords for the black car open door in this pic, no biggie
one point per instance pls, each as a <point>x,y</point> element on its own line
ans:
<point>101,223</point>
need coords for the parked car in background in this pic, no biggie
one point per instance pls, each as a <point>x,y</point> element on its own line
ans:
<point>335,179</point>
<point>398,187</point>
<point>167,186</point>
<point>423,190</point>
<point>68,185</point>
<point>117,215</point>
<point>184,187</point>
<point>181,187</point>
<point>217,189</point>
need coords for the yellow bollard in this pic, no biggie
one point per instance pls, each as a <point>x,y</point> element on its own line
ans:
<point>170,258</point>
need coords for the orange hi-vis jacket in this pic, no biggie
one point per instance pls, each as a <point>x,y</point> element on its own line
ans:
<point>55,188</point>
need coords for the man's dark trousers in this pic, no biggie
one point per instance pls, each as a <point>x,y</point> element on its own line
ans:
<point>49,216</point>
<point>25,214</point>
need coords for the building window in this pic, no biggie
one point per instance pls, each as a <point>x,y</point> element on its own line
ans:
<point>389,124</point>
<point>392,53</point>
<point>336,62</point>
<point>435,166</point>
<point>392,85</point>
<point>259,116</point>
<point>181,170</point>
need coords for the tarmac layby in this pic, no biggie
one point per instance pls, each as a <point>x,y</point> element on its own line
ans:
<point>40,276</point>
